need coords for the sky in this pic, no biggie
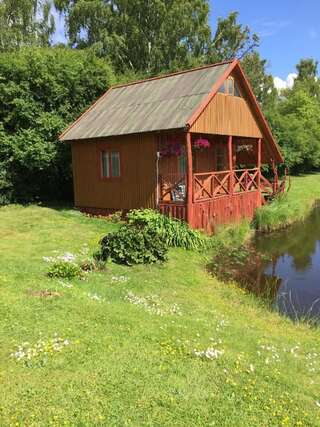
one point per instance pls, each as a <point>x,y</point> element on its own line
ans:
<point>289,30</point>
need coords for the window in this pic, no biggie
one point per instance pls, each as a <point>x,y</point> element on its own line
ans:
<point>230,87</point>
<point>221,157</point>
<point>110,164</point>
<point>182,163</point>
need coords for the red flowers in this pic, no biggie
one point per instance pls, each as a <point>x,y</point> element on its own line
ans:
<point>201,143</point>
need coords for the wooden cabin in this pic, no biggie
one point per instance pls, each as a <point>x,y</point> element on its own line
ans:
<point>190,144</point>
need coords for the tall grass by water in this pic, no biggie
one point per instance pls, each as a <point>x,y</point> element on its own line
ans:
<point>291,207</point>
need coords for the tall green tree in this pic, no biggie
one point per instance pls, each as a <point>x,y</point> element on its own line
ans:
<point>295,119</point>
<point>141,35</point>
<point>261,81</point>
<point>24,23</point>
<point>42,90</point>
<point>232,40</point>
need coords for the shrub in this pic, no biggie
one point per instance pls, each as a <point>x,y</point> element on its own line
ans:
<point>131,245</point>
<point>173,232</point>
<point>65,270</point>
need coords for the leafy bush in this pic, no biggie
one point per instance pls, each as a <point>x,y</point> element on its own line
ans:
<point>173,232</point>
<point>42,91</point>
<point>65,270</point>
<point>131,245</point>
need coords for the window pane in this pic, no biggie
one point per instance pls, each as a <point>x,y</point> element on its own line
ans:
<point>222,88</point>
<point>105,164</point>
<point>230,86</point>
<point>183,163</point>
<point>236,90</point>
<point>115,164</point>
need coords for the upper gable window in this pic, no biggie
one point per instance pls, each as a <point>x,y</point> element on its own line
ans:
<point>230,87</point>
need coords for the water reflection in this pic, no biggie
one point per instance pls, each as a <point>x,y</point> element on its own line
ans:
<point>292,277</point>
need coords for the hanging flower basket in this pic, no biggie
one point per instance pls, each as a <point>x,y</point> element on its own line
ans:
<point>201,144</point>
<point>171,148</point>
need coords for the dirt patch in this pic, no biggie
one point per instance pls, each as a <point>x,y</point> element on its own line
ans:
<point>44,294</point>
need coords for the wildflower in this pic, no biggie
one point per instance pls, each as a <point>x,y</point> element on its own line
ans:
<point>209,353</point>
<point>95,297</point>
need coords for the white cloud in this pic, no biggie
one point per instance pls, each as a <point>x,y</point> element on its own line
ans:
<point>281,84</point>
<point>268,28</point>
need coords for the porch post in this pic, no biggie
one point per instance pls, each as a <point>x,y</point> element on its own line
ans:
<point>230,165</point>
<point>259,161</point>
<point>189,180</point>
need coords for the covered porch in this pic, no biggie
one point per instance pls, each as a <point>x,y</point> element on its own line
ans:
<point>209,180</point>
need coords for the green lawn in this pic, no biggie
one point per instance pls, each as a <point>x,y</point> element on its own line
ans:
<point>295,205</point>
<point>134,364</point>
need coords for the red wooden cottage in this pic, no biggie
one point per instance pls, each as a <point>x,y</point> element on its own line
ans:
<point>190,144</point>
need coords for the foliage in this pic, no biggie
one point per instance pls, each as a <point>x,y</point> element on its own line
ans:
<point>25,22</point>
<point>295,122</point>
<point>173,232</point>
<point>141,36</point>
<point>65,270</point>
<point>231,40</point>
<point>131,245</point>
<point>41,91</point>
<point>261,82</point>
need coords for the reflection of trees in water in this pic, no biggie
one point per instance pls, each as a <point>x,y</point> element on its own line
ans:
<point>259,283</point>
<point>298,241</point>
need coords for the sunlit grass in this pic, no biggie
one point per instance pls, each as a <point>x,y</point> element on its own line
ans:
<point>137,339</point>
<point>291,207</point>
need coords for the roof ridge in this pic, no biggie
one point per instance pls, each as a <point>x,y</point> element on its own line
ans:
<point>163,76</point>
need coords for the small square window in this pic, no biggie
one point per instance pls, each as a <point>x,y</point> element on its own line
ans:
<point>230,86</point>
<point>236,90</point>
<point>110,164</point>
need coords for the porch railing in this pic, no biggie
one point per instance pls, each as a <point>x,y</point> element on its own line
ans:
<point>209,185</point>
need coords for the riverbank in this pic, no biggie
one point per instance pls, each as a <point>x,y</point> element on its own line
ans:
<point>165,345</point>
<point>294,206</point>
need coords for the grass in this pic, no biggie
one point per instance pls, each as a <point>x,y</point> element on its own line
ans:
<point>131,334</point>
<point>293,206</point>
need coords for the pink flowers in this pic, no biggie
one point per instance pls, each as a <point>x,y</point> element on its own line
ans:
<point>172,147</point>
<point>201,143</point>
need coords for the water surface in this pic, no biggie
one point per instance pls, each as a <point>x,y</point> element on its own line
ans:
<point>291,277</point>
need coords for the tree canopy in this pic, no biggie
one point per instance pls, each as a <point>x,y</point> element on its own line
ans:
<point>43,90</point>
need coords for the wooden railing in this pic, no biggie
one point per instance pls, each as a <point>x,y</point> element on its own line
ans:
<point>208,185</point>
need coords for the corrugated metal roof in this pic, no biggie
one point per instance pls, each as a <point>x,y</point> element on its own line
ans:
<point>157,104</point>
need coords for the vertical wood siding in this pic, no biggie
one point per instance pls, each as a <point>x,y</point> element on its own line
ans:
<point>134,189</point>
<point>227,115</point>
<point>226,209</point>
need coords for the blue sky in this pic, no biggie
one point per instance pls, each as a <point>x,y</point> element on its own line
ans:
<point>289,29</point>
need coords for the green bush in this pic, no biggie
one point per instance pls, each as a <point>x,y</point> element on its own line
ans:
<point>42,91</point>
<point>132,245</point>
<point>65,270</point>
<point>173,232</point>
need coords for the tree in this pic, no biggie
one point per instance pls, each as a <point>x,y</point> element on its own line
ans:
<point>307,69</point>
<point>295,119</point>
<point>25,22</point>
<point>149,36</point>
<point>261,82</point>
<point>42,91</point>
<point>232,40</point>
